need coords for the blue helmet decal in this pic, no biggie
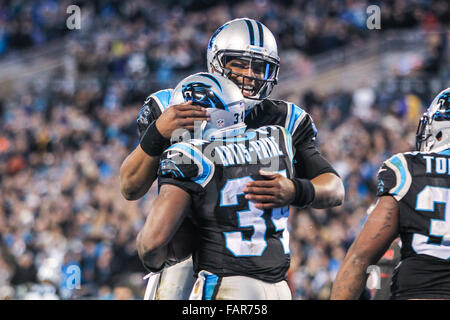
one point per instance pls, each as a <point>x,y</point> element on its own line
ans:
<point>211,40</point>
<point>443,113</point>
<point>202,94</point>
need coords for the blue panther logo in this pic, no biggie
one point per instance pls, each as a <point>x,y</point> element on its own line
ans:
<point>443,101</point>
<point>380,186</point>
<point>202,94</point>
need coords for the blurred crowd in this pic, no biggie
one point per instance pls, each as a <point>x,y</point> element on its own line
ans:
<point>63,139</point>
<point>167,39</point>
<point>358,130</point>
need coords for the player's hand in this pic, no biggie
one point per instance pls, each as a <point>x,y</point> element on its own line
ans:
<point>180,116</point>
<point>275,191</point>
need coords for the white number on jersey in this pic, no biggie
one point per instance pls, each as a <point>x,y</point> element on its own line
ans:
<point>426,200</point>
<point>252,217</point>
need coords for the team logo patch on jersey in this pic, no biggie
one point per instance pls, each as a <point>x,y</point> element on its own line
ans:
<point>220,123</point>
<point>380,186</point>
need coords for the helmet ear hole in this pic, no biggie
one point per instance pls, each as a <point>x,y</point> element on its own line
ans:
<point>439,136</point>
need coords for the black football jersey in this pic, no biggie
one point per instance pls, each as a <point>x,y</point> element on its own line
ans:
<point>308,162</point>
<point>420,182</point>
<point>234,237</point>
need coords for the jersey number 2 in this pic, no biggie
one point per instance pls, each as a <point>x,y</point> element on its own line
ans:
<point>426,200</point>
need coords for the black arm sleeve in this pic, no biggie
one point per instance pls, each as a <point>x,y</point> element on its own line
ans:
<point>308,161</point>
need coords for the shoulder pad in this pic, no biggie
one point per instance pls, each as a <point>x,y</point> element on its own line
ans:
<point>294,116</point>
<point>162,98</point>
<point>183,160</point>
<point>394,177</point>
<point>158,100</point>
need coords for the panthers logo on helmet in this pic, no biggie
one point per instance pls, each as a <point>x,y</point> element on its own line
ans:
<point>220,96</point>
<point>202,94</point>
<point>443,111</point>
<point>380,186</point>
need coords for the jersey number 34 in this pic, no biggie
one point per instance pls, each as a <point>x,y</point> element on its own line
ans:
<point>253,217</point>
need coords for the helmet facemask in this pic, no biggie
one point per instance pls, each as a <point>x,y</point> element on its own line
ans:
<point>260,77</point>
<point>433,131</point>
<point>423,133</point>
<point>253,44</point>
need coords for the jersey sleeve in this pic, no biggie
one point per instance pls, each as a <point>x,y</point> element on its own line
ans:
<point>308,161</point>
<point>153,106</point>
<point>300,125</point>
<point>394,178</point>
<point>183,165</point>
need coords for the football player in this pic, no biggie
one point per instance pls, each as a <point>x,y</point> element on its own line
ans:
<point>414,202</point>
<point>245,51</point>
<point>242,252</point>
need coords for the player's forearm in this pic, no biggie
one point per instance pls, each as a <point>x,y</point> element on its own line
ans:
<point>152,239</point>
<point>153,257</point>
<point>351,278</point>
<point>380,229</point>
<point>164,218</point>
<point>329,191</point>
<point>137,173</point>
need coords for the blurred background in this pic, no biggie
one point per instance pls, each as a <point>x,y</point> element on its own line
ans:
<point>69,100</point>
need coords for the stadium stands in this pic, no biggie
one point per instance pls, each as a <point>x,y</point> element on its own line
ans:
<point>65,134</point>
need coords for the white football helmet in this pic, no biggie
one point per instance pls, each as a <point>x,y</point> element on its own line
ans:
<point>252,43</point>
<point>222,99</point>
<point>433,131</point>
